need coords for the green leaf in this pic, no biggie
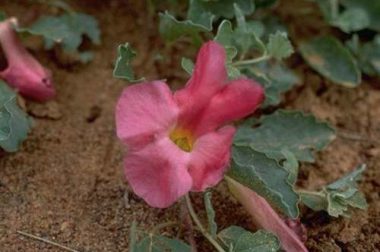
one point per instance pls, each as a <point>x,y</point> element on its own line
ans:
<point>14,123</point>
<point>314,200</point>
<point>187,65</point>
<point>276,78</point>
<point>291,165</point>
<point>247,34</point>
<point>171,29</point>
<point>81,25</point>
<point>353,19</point>
<point>279,46</point>
<point>286,130</point>
<point>337,197</point>
<point>225,36</point>
<point>331,59</point>
<point>140,241</point>
<point>123,65</point>
<point>67,30</point>
<point>347,181</point>
<point>238,239</point>
<point>370,58</point>
<point>371,7</point>
<point>225,33</point>
<point>265,176</point>
<point>212,227</point>
<point>198,15</point>
<point>368,54</point>
<point>232,71</point>
<point>51,28</point>
<point>220,8</point>
<point>158,243</point>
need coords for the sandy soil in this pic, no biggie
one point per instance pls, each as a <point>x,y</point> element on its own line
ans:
<point>66,183</point>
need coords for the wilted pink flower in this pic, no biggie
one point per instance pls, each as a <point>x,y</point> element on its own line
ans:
<point>23,72</point>
<point>265,217</point>
<point>181,142</point>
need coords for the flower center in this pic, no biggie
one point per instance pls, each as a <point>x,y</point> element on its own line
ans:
<point>183,139</point>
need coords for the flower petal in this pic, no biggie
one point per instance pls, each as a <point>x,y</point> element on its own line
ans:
<point>158,173</point>
<point>236,100</point>
<point>144,113</point>
<point>210,157</point>
<point>209,77</point>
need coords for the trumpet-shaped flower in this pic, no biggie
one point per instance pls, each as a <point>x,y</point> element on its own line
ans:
<point>181,142</point>
<point>23,72</point>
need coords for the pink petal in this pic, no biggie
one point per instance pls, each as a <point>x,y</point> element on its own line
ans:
<point>209,77</point>
<point>23,72</point>
<point>236,100</point>
<point>144,113</point>
<point>210,158</point>
<point>158,173</point>
<point>265,217</point>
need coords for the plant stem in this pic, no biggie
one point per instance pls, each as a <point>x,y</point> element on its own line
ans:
<point>195,218</point>
<point>252,61</point>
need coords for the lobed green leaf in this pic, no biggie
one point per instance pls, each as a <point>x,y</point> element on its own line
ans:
<point>338,197</point>
<point>279,46</point>
<point>275,77</point>
<point>293,131</point>
<point>123,65</point>
<point>265,176</point>
<point>142,242</point>
<point>238,239</point>
<point>172,29</point>
<point>67,30</point>
<point>158,243</point>
<point>14,123</point>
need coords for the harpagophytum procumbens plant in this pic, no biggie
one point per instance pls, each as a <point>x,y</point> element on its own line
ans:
<point>183,141</point>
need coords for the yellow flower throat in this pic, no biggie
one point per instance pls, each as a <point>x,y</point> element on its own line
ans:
<point>183,139</point>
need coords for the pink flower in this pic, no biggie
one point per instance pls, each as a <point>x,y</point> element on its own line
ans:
<point>265,217</point>
<point>181,142</point>
<point>23,72</point>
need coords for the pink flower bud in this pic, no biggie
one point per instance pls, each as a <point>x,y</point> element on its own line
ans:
<point>23,71</point>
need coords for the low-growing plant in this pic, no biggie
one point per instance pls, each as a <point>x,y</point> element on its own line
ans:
<point>174,141</point>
